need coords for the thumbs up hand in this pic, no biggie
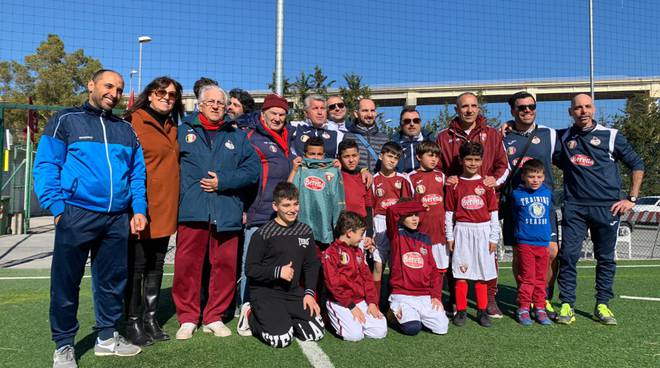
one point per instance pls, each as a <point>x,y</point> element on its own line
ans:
<point>286,273</point>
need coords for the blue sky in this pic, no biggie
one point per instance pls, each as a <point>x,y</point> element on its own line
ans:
<point>387,42</point>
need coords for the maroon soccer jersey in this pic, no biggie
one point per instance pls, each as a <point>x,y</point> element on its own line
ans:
<point>429,188</point>
<point>388,190</point>
<point>358,198</point>
<point>471,200</point>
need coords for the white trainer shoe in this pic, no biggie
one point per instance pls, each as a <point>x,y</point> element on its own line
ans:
<point>217,328</point>
<point>186,331</point>
<point>243,326</point>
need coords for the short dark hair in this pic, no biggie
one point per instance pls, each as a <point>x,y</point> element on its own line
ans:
<point>97,74</point>
<point>471,149</point>
<point>315,142</point>
<point>518,96</point>
<point>245,99</point>
<point>533,165</point>
<point>349,221</point>
<point>345,145</point>
<point>407,108</point>
<point>284,190</point>
<point>391,147</point>
<point>201,83</point>
<point>427,147</point>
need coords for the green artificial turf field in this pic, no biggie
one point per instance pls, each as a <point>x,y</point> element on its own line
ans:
<point>635,342</point>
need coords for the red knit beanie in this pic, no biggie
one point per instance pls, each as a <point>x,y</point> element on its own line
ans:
<point>273,100</point>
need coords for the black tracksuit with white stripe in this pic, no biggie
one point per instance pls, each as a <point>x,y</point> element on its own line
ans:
<point>277,305</point>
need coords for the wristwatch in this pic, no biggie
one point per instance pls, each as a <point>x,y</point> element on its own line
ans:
<point>632,199</point>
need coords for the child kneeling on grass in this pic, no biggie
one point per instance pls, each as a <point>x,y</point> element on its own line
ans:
<point>532,205</point>
<point>280,252</point>
<point>414,274</point>
<point>473,238</point>
<point>353,300</point>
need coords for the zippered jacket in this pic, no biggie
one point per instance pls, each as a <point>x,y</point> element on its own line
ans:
<point>408,161</point>
<point>347,275</point>
<point>229,155</point>
<point>92,159</point>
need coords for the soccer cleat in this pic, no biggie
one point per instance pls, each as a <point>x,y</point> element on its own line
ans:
<point>523,317</point>
<point>243,326</point>
<point>483,318</point>
<point>604,315</point>
<point>566,315</point>
<point>459,318</point>
<point>217,328</point>
<point>550,310</point>
<point>542,317</point>
<point>493,309</point>
<point>65,357</point>
<point>116,345</point>
<point>186,331</point>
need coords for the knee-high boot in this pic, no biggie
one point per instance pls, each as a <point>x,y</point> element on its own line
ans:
<point>135,331</point>
<point>151,296</point>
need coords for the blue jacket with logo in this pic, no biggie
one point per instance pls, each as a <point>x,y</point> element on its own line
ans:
<point>589,162</point>
<point>531,214</point>
<point>302,132</point>
<point>91,159</point>
<point>408,161</point>
<point>230,155</point>
<point>542,148</point>
<point>275,167</point>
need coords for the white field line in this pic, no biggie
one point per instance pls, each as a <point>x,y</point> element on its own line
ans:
<point>48,277</point>
<point>314,354</point>
<point>171,274</point>
<point>640,298</point>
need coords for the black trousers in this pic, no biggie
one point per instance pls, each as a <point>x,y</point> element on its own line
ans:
<point>146,256</point>
<point>276,317</point>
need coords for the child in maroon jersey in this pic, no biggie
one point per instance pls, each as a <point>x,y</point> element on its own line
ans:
<point>352,302</point>
<point>429,188</point>
<point>389,187</point>
<point>358,197</point>
<point>472,230</point>
<point>414,274</point>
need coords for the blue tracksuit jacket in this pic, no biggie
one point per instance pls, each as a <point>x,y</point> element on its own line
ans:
<point>91,159</point>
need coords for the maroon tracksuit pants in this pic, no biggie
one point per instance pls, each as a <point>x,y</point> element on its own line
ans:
<point>192,242</point>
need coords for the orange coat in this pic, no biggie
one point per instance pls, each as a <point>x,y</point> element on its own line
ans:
<point>161,158</point>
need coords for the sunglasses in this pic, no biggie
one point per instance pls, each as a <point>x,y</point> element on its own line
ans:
<point>161,93</point>
<point>412,121</point>
<point>531,107</point>
<point>339,105</point>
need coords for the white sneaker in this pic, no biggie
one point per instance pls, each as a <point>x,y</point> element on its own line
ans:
<point>217,328</point>
<point>65,357</point>
<point>243,326</point>
<point>186,331</point>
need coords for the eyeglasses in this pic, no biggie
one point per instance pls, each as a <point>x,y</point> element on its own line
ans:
<point>339,105</point>
<point>531,107</point>
<point>161,93</point>
<point>412,121</point>
<point>214,103</point>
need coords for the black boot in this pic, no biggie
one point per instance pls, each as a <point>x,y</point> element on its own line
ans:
<point>151,295</point>
<point>135,332</point>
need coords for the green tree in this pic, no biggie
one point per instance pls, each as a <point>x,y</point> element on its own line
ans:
<point>51,76</point>
<point>353,92</point>
<point>640,124</point>
<point>305,85</point>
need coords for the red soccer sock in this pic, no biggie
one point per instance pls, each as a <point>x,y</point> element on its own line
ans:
<point>461,287</point>
<point>481,289</point>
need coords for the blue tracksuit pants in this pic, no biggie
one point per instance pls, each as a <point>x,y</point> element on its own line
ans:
<point>78,232</point>
<point>604,229</point>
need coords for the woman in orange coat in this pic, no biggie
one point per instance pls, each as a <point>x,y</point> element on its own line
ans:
<point>154,117</point>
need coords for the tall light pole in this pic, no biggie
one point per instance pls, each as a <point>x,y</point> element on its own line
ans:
<point>130,79</point>
<point>141,40</point>
<point>279,48</point>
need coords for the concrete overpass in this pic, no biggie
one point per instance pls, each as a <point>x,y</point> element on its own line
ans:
<point>493,92</point>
